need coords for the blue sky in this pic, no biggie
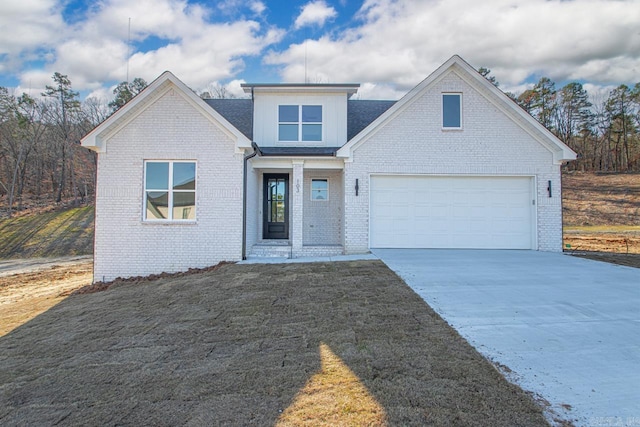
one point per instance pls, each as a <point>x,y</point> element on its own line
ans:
<point>386,45</point>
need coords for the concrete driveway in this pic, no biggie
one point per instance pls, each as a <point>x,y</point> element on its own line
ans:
<point>565,328</point>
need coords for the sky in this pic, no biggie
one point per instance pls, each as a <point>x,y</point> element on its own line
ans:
<point>388,46</point>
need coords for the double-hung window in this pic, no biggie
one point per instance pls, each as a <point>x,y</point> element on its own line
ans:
<point>299,123</point>
<point>452,111</point>
<point>169,190</point>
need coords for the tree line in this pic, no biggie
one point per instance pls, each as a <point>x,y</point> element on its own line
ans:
<point>41,158</point>
<point>603,130</point>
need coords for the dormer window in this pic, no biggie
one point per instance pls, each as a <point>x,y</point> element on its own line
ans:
<point>299,123</point>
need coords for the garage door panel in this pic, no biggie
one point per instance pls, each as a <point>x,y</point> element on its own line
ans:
<point>451,212</point>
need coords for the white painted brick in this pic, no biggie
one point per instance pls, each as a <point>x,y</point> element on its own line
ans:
<point>414,143</point>
<point>170,128</point>
<point>322,220</point>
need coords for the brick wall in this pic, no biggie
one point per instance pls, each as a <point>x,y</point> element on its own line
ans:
<point>322,219</point>
<point>490,143</point>
<point>170,128</point>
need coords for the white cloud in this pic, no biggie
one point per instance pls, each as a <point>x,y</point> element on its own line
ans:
<point>257,7</point>
<point>94,51</point>
<point>232,88</point>
<point>214,54</point>
<point>401,42</point>
<point>379,91</point>
<point>315,13</point>
<point>102,94</point>
<point>25,26</point>
<point>598,94</point>
<point>390,45</point>
<point>35,81</point>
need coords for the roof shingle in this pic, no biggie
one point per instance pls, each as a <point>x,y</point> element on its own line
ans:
<point>239,112</point>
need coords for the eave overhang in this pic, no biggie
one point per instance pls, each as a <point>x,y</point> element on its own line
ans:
<point>96,140</point>
<point>295,151</point>
<point>560,151</point>
<point>290,88</point>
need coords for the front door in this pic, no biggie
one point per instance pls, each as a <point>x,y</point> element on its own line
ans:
<point>276,206</point>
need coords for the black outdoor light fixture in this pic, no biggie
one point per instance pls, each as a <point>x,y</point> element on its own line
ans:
<point>549,189</point>
<point>357,186</point>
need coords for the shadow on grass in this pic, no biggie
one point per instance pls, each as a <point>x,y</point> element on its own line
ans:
<point>50,234</point>
<point>253,344</point>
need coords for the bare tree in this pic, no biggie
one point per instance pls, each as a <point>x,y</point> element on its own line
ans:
<point>216,91</point>
<point>64,111</point>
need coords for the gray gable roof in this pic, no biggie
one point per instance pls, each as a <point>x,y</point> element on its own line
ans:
<point>239,112</point>
<point>360,114</point>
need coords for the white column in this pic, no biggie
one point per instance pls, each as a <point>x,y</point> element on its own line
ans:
<point>297,205</point>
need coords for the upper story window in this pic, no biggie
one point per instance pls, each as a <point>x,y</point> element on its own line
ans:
<point>169,190</point>
<point>299,123</point>
<point>452,111</point>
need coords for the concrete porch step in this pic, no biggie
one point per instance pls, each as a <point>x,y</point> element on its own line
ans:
<point>268,250</point>
<point>280,249</point>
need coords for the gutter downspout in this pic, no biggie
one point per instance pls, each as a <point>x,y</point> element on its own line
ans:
<point>244,198</point>
<point>244,188</point>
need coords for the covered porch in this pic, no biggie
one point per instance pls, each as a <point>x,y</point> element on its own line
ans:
<point>295,204</point>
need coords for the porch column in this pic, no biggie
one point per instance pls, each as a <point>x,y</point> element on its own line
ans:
<point>297,205</point>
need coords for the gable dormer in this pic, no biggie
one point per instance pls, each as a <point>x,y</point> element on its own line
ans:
<point>300,115</point>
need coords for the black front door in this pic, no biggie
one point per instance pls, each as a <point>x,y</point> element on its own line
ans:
<point>276,206</point>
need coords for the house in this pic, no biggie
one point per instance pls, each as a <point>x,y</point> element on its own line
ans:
<point>301,169</point>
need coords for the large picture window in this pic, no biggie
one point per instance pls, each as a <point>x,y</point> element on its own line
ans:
<point>452,111</point>
<point>299,123</point>
<point>170,190</point>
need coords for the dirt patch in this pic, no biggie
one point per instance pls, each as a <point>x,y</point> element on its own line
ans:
<point>601,213</point>
<point>629,260</point>
<point>287,344</point>
<point>103,286</point>
<point>25,296</point>
<point>586,239</point>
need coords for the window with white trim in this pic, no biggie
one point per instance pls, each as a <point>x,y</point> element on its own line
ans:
<point>299,123</point>
<point>169,190</point>
<point>320,189</point>
<point>452,111</point>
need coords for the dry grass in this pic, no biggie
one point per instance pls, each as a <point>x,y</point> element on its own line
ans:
<point>293,344</point>
<point>333,396</point>
<point>53,233</point>
<point>601,199</point>
<point>602,213</point>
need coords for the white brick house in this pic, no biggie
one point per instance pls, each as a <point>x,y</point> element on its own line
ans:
<point>301,169</point>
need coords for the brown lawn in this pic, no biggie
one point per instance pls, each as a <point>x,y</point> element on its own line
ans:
<point>343,343</point>
<point>601,214</point>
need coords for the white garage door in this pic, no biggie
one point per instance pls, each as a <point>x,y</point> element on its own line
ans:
<point>451,212</point>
